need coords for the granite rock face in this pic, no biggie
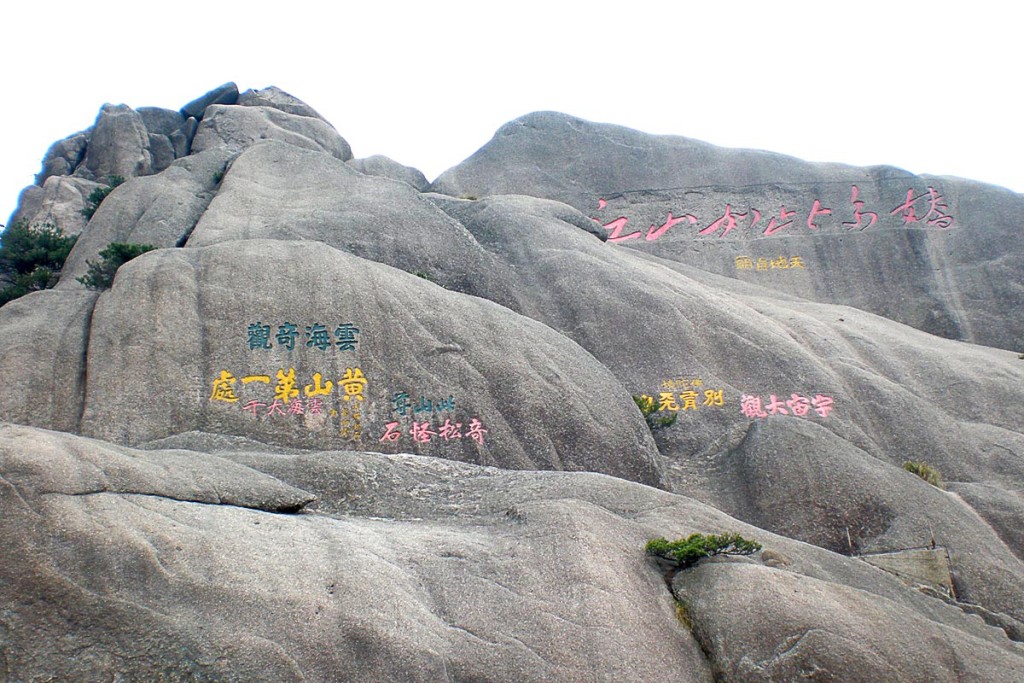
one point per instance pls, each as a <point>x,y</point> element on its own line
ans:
<point>417,569</point>
<point>392,430</point>
<point>389,168</point>
<point>939,254</point>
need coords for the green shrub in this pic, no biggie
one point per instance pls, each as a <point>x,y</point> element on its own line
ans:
<point>97,196</point>
<point>116,254</point>
<point>649,409</point>
<point>31,258</point>
<point>926,472</point>
<point>646,404</point>
<point>686,552</point>
<point>683,614</point>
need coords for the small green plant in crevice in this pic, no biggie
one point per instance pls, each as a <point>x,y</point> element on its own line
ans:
<point>31,258</point>
<point>425,275</point>
<point>926,472</point>
<point>96,197</point>
<point>116,254</point>
<point>649,409</point>
<point>683,613</point>
<point>686,552</point>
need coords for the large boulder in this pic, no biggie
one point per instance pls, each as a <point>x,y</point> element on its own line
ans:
<point>118,145</point>
<point>326,361</point>
<point>762,624</point>
<point>43,341</point>
<point>63,157</point>
<point>381,165</point>
<point>224,94</point>
<point>278,99</point>
<point>238,127</point>
<point>276,190</point>
<point>60,202</point>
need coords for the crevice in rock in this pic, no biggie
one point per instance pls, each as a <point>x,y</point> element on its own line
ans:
<point>1013,629</point>
<point>282,508</point>
<point>686,618</point>
<point>83,372</point>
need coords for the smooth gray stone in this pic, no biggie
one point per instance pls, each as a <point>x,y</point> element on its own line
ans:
<point>238,127</point>
<point>118,145</point>
<point>160,121</point>
<point>522,388</point>
<point>762,624</point>
<point>381,165</point>
<point>278,99</point>
<point>63,157</point>
<point>162,151</point>
<point>224,94</point>
<point>412,568</point>
<point>159,210</point>
<point>951,264</point>
<point>44,372</point>
<point>58,202</point>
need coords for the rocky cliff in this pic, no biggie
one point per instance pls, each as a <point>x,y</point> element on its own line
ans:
<point>346,424</point>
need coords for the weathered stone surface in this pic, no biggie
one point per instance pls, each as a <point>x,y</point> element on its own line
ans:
<point>1002,508</point>
<point>182,139</point>
<point>147,382</point>
<point>63,157</point>
<point>405,568</point>
<point>834,496</point>
<point>238,127</point>
<point>160,121</point>
<point>762,624</point>
<point>47,463</point>
<point>279,191</point>
<point>160,210</point>
<point>791,414</point>
<point>917,566</point>
<point>278,99</point>
<point>43,342</point>
<point>952,254</point>
<point>225,94</point>
<point>162,152</point>
<point>118,145</point>
<point>59,202</point>
<point>381,165</point>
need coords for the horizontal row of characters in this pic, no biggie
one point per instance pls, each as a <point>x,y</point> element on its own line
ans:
<point>316,336</point>
<point>423,432</point>
<point>286,388</point>
<point>751,406</point>
<point>682,383</point>
<point>927,209</point>
<point>781,263</point>
<point>687,400</point>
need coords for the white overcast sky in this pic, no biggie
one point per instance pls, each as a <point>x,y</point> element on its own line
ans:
<point>932,87</point>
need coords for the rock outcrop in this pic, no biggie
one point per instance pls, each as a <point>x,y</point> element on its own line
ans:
<point>346,424</point>
<point>937,253</point>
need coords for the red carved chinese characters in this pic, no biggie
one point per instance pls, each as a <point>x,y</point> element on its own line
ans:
<point>928,208</point>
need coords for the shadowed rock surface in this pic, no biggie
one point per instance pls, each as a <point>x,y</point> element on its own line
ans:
<point>391,429</point>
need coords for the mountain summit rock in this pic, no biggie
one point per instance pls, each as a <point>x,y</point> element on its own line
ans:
<point>343,423</point>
